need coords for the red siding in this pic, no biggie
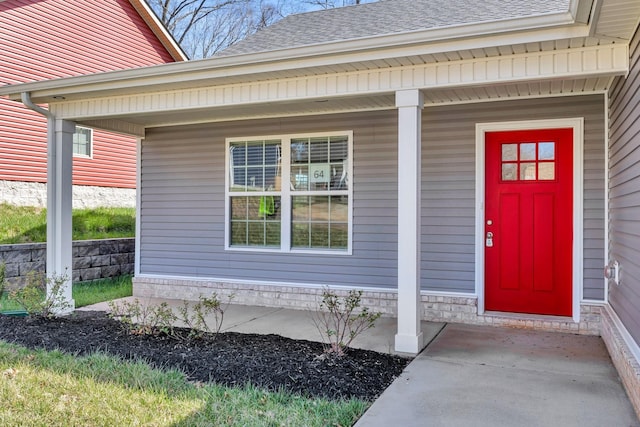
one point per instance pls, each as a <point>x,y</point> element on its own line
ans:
<point>60,38</point>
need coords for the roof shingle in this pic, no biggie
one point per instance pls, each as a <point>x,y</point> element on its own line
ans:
<point>387,17</point>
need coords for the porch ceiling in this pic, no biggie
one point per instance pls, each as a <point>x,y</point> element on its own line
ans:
<point>332,105</point>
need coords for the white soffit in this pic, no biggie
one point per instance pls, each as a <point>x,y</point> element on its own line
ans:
<point>434,97</point>
<point>617,19</point>
<point>520,90</point>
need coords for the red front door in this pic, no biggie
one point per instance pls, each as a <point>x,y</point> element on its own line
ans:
<point>529,221</point>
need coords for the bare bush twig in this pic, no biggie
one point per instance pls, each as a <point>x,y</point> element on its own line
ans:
<point>340,320</point>
<point>139,319</point>
<point>36,300</point>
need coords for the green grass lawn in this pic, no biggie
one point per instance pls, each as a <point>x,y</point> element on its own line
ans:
<point>87,293</point>
<point>19,224</point>
<point>50,388</point>
<point>40,388</point>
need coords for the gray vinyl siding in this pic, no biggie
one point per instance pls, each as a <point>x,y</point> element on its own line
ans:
<point>448,186</point>
<point>183,205</point>
<point>624,192</point>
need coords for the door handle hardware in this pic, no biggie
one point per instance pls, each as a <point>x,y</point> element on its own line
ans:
<point>489,239</point>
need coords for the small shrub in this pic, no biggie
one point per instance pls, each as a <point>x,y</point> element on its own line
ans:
<point>195,317</point>
<point>340,320</point>
<point>36,300</point>
<point>142,319</point>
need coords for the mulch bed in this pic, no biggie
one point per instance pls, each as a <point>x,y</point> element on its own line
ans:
<point>268,361</point>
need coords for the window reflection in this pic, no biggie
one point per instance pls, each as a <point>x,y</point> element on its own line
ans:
<point>546,151</point>
<point>528,151</point>
<point>319,222</point>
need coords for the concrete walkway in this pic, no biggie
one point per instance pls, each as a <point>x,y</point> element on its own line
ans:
<point>486,376</point>
<point>472,375</point>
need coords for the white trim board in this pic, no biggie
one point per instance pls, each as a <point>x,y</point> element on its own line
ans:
<point>138,246</point>
<point>633,346</point>
<point>578,199</point>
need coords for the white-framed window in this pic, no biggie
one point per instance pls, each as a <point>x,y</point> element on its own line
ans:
<point>291,193</point>
<point>83,142</point>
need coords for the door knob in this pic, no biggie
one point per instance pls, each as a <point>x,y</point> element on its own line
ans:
<point>489,239</point>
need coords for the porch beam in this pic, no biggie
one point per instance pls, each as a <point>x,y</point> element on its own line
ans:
<point>570,63</point>
<point>409,338</point>
<point>59,209</point>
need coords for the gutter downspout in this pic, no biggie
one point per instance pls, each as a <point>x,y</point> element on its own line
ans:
<point>54,231</point>
<point>51,160</point>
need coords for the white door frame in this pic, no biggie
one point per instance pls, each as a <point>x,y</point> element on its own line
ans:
<point>577,124</point>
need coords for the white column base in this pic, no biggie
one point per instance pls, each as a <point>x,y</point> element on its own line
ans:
<point>411,344</point>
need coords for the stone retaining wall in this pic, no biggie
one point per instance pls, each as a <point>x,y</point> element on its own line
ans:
<point>92,259</point>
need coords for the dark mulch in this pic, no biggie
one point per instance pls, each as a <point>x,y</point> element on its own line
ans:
<point>267,361</point>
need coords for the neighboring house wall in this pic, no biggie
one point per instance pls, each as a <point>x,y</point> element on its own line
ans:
<point>183,208</point>
<point>60,38</point>
<point>624,194</point>
<point>448,185</point>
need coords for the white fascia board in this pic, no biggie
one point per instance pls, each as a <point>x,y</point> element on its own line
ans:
<point>593,61</point>
<point>581,10</point>
<point>159,29</point>
<point>190,73</point>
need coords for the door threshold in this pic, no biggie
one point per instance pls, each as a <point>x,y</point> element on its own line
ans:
<point>529,316</point>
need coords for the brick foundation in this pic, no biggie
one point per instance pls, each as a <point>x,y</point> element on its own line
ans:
<point>294,297</point>
<point>435,307</point>
<point>464,310</point>
<point>626,363</point>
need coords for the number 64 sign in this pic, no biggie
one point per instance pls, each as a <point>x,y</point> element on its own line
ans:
<point>319,172</point>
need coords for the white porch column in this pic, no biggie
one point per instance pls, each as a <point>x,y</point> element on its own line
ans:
<point>59,201</point>
<point>409,338</point>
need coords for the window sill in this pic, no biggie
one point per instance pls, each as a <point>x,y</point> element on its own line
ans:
<point>317,252</point>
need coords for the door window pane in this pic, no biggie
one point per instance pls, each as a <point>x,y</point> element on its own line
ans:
<point>528,151</point>
<point>509,152</point>
<point>509,171</point>
<point>546,171</point>
<point>546,151</point>
<point>528,161</point>
<point>527,171</point>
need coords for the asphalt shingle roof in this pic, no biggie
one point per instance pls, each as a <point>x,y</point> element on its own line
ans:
<point>387,17</point>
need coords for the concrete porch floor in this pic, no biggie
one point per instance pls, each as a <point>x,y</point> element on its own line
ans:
<point>296,324</point>
<point>472,375</point>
